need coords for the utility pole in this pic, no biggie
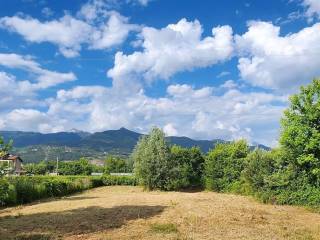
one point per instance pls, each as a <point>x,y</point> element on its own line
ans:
<point>57,168</point>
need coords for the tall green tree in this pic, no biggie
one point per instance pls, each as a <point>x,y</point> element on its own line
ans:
<point>300,131</point>
<point>152,164</point>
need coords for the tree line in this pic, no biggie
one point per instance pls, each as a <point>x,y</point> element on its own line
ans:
<point>289,174</point>
<point>112,164</point>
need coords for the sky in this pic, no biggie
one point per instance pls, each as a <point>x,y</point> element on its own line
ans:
<point>202,69</point>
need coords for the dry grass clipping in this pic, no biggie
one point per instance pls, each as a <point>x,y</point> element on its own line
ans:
<point>131,213</point>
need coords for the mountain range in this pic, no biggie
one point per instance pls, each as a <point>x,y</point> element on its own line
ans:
<point>34,146</point>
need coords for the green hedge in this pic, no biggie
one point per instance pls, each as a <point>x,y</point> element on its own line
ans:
<point>20,190</point>
<point>110,180</point>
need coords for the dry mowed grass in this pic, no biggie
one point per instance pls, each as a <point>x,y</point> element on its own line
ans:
<point>130,213</point>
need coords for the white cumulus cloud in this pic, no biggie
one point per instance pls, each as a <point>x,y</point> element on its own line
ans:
<point>44,78</point>
<point>272,61</point>
<point>94,26</point>
<point>175,48</point>
<point>313,8</point>
<point>197,113</point>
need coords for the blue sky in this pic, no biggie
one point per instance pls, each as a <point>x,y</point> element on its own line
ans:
<point>215,69</point>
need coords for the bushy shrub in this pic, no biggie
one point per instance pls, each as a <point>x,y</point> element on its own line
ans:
<point>80,167</point>
<point>71,168</point>
<point>4,191</point>
<point>116,164</point>
<point>159,167</point>
<point>110,180</point>
<point>224,164</point>
<point>262,170</point>
<point>190,164</point>
<point>20,190</point>
<point>25,189</point>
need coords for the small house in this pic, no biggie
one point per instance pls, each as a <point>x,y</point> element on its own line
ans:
<point>12,164</point>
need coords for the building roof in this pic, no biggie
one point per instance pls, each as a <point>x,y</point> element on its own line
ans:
<point>11,157</point>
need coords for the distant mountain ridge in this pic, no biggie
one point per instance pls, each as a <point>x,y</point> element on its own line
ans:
<point>34,146</point>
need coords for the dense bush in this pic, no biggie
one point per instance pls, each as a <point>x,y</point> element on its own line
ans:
<point>113,164</point>
<point>190,162</point>
<point>28,189</point>
<point>79,167</point>
<point>24,189</point>
<point>263,170</point>
<point>224,165</point>
<point>4,191</point>
<point>116,164</point>
<point>271,177</point>
<point>40,168</point>
<point>110,180</point>
<point>159,167</point>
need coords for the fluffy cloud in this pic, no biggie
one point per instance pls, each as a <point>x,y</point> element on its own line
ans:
<point>267,60</point>
<point>22,92</point>
<point>114,32</point>
<point>15,93</point>
<point>313,8</point>
<point>270,60</point>
<point>44,78</point>
<point>170,130</point>
<point>29,119</point>
<point>94,26</point>
<point>198,113</point>
<point>67,32</point>
<point>175,48</point>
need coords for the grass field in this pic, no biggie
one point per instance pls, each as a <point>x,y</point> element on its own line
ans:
<point>130,213</point>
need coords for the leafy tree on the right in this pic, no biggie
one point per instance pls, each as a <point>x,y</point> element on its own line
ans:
<point>300,132</point>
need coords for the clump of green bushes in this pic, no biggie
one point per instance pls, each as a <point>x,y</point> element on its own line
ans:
<point>20,190</point>
<point>112,164</point>
<point>26,189</point>
<point>79,167</point>
<point>224,164</point>
<point>287,175</point>
<point>157,166</point>
<point>111,180</point>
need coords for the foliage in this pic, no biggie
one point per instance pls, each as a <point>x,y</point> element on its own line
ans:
<point>261,170</point>
<point>300,132</point>
<point>224,164</point>
<point>80,167</point>
<point>4,190</point>
<point>191,165</point>
<point>152,164</point>
<point>25,189</point>
<point>36,168</point>
<point>111,180</point>
<point>115,164</point>
<point>5,147</point>
<point>4,150</point>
